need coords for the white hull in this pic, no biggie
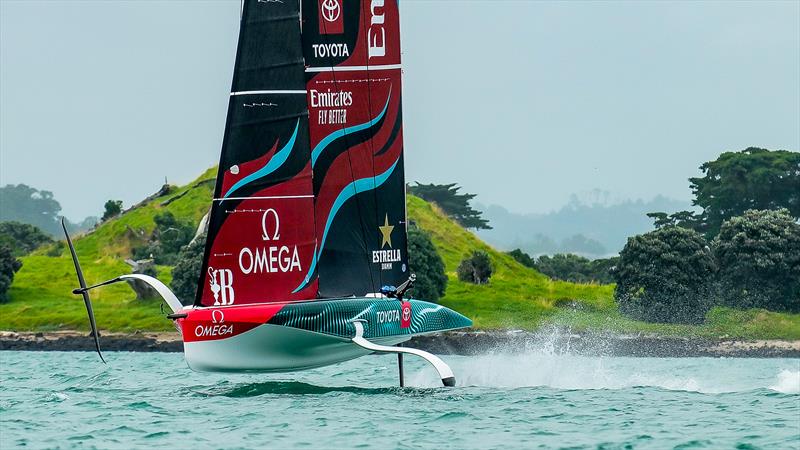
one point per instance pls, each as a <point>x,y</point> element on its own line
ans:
<point>275,348</point>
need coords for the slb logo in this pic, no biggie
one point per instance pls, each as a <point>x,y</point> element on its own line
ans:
<point>331,20</point>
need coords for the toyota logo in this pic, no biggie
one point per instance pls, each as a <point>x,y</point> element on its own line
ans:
<point>331,10</point>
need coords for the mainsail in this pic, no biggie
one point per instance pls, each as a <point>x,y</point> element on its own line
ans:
<point>309,201</point>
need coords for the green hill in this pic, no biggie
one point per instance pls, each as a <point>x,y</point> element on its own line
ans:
<point>41,299</point>
<point>516,297</point>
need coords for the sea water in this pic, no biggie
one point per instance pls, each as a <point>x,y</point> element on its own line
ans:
<point>528,400</point>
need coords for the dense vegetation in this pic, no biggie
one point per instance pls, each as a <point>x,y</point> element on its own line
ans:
<point>673,274</point>
<point>665,276</point>
<point>424,261</point>
<point>754,178</point>
<point>186,274</point>
<point>22,238</point>
<point>742,250</point>
<point>9,265</point>
<point>759,259</point>
<point>569,267</point>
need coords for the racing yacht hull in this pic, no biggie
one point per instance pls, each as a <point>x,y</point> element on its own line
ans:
<point>283,337</point>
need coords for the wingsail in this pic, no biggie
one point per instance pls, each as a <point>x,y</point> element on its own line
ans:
<point>310,194</point>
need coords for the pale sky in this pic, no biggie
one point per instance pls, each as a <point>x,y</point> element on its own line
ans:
<point>521,102</point>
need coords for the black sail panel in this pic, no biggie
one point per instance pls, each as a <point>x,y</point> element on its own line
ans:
<point>261,236</point>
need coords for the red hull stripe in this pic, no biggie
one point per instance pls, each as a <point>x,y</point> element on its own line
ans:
<point>210,324</point>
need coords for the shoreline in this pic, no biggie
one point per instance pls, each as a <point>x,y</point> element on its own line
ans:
<point>556,341</point>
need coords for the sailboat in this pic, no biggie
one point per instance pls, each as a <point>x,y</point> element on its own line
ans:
<point>306,259</point>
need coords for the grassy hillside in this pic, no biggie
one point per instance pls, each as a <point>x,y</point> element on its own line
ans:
<point>516,296</point>
<point>41,296</point>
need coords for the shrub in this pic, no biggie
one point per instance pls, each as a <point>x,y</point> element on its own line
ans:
<point>569,267</point>
<point>425,262</point>
<point>9,265</point>
<point>167,240</point>
<point>665,276</point>
<point>759,258</point>
<point>522,258</point>
<point>112,209</point>
<point>186,274</point>
<point>575,268</point>
<point>476,268</point>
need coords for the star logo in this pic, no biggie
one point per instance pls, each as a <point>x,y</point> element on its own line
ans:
<point>386,232</point>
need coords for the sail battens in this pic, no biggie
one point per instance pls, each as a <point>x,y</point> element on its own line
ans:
<point>267,197</point>
<point>273,92</point>
<point>261,236</point>
<point>353,68</point>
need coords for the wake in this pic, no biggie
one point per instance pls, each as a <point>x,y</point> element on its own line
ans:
<point>543,365</point>
<point>788,382</point>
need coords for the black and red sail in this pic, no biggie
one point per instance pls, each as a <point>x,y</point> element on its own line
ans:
<point>310,200</point>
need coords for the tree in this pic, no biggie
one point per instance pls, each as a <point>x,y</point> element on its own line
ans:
<point>476,268</point>
<point>425,262</point>
<point>561,266</point>
<point>455,205</point>
<point>186,273</point>
<point>22,238</point>
<point>683,219</point>
<point>112,209</point>
<point>522,258</point>
<point>602,270</point>
<point>22,203</point>
<point>169,236</point>
<point>575,268</point>
<point>665,276</point>
<point>759,258</point>
<point>754,178</point>
<point>9,265</point>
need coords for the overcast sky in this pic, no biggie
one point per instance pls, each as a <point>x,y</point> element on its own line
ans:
<point>521,102</point>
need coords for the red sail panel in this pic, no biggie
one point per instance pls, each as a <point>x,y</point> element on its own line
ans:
<point>353,79</point>
<point>261,237</point>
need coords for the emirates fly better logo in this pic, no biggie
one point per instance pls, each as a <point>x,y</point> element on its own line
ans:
<point>330,17</point>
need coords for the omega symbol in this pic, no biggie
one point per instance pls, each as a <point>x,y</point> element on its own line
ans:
<point>265,235</point>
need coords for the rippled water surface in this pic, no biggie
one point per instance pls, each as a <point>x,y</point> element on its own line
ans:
<point>71,400</point>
